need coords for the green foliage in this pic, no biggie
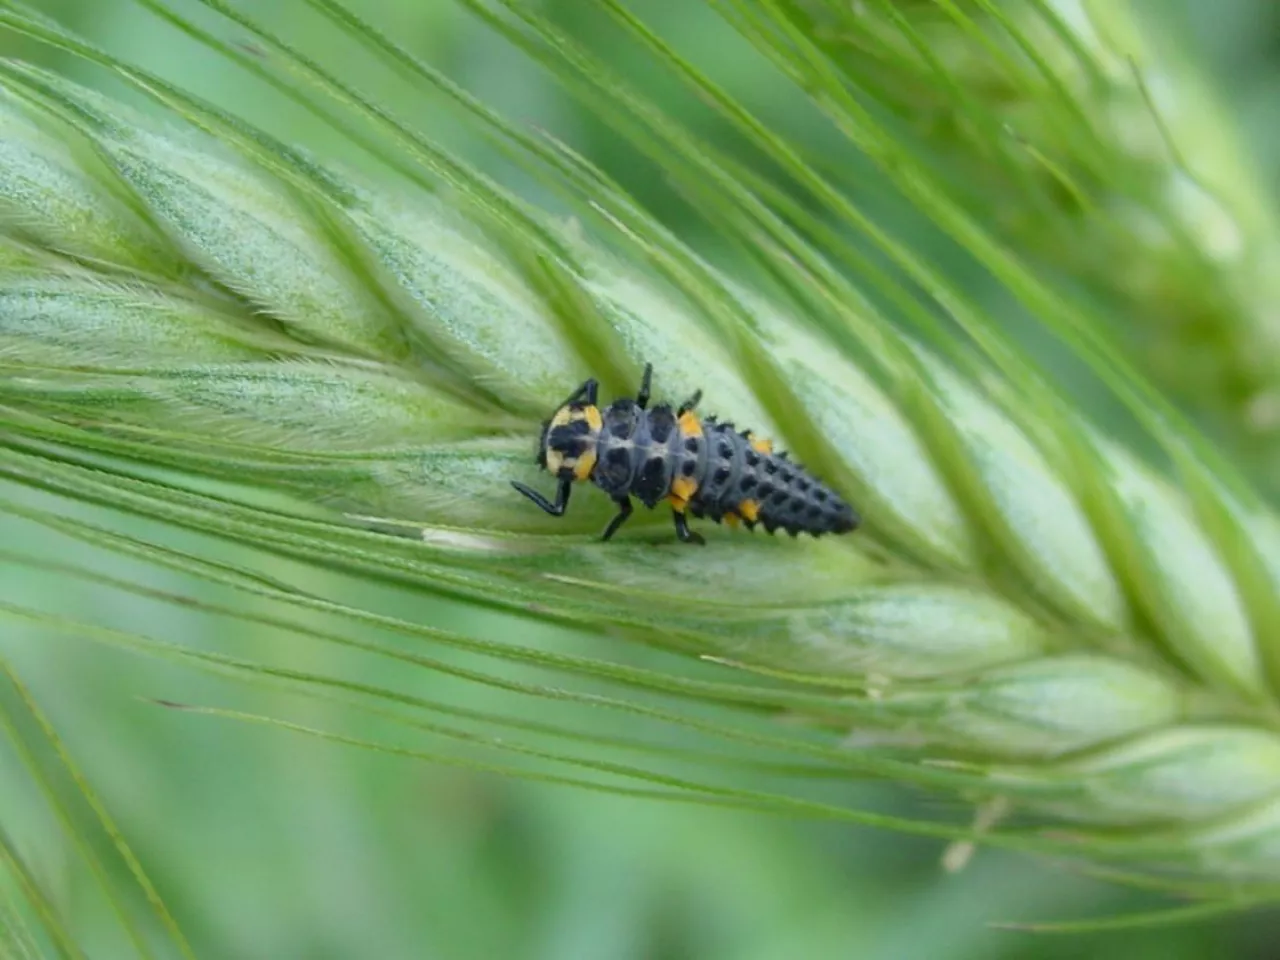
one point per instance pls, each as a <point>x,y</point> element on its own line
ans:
<point>1066,615</point>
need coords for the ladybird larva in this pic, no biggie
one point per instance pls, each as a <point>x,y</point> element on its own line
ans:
<point>701,467</point>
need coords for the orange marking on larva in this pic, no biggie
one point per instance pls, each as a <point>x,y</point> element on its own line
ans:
<point>683,488</point>
<point>586,463</point>
<point>760,444</point>
<point>749,509</point>
<point>690,425</point>
<point>594,420</point>
<point>732,519</point>
<point>677,504</point>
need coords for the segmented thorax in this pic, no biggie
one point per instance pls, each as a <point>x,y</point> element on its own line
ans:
<point>638,451</point>
<point>571,441</point>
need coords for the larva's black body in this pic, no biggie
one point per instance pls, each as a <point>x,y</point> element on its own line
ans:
<point>704,468</point>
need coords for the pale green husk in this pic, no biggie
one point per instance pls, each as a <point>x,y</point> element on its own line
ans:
<point>1082,625</point>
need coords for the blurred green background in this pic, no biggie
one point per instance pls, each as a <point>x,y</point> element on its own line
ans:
<point>272,845</point>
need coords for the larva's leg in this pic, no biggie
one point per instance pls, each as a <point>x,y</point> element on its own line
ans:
<point>683,533</point>
<point>624,511</point>
<point>588,391</point>
<point>690,403</point>
<point>562,497</point>
<point>642,397</point>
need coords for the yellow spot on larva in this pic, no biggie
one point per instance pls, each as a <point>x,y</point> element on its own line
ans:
<point>562,417</point>
<point>677,504</point>
<point>684,488</point>
<point>690,425</point>
<point>749,509</point>
<point>760,444</point>
<point>555,460</point>
<point>593,419</point>
<point>586,463</point>
<point>732,519</point>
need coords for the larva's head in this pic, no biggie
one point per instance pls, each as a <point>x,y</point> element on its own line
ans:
<point>568,446</point>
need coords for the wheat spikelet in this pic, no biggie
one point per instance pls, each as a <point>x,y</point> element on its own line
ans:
<point>1031,605</point>
<point>1092,140</point>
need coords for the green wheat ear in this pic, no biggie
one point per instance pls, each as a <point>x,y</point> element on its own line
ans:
<point>1092,142</point>
<point>202,326</point>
